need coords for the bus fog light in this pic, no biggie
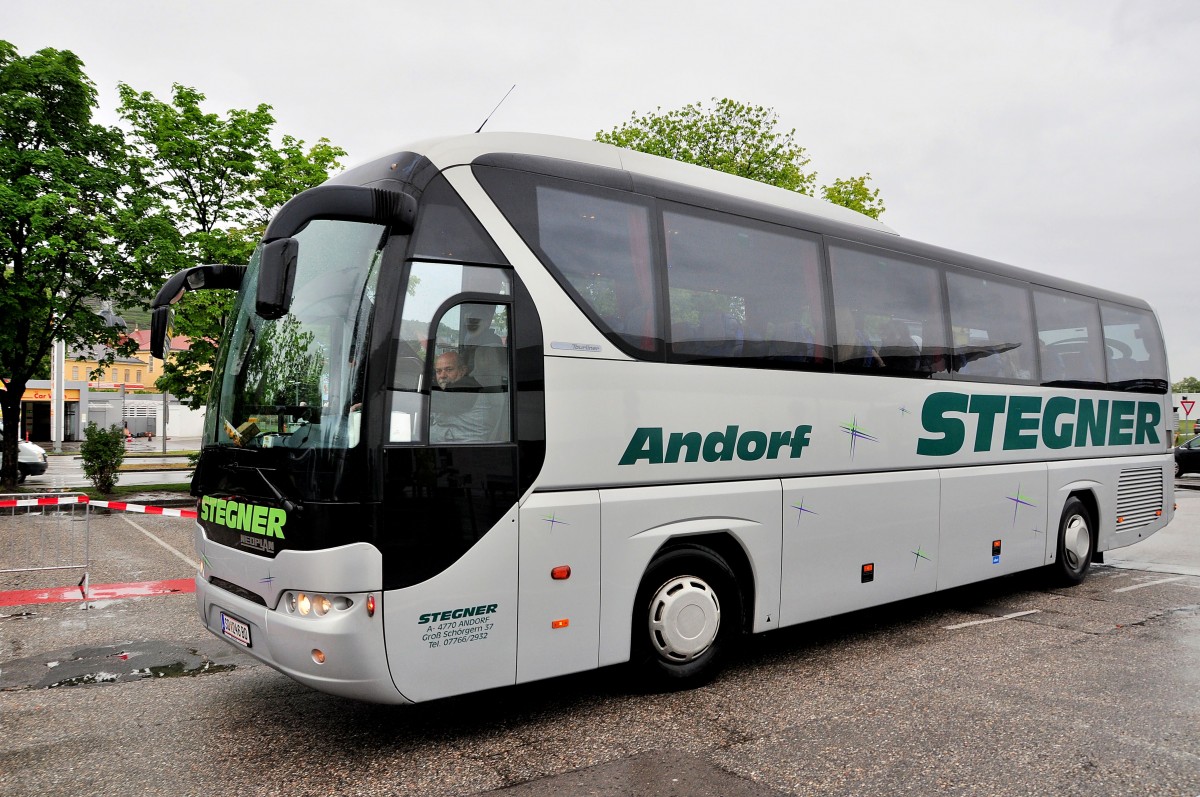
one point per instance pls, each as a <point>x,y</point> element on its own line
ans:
<point>318,656</point>
<point>321,605</point>
<point>304,604</point>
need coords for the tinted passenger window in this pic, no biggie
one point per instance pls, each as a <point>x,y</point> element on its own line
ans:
<point>598,243</point>
<point>743,292</point>
<point>1069,339</point>
<point>1133,350</point>
<point>888,313</point>
<point>991,325</point>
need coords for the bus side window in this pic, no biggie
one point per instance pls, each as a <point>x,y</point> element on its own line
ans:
<point>1133,349</point>
<point>1071,339</point>
<point>889,316</point>
<point>992,327</point>
<point>742,291</point>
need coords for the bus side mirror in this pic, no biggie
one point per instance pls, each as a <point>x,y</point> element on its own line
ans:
<point>276,278</point>
<point>160,322</point>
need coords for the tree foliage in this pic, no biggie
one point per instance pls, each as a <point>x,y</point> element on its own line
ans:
<point>75,223</point>
<point>740,139</point>
<point>1189,384</point>
<point>102,452</point>
<point>856,195</point>
<point>221,178</point>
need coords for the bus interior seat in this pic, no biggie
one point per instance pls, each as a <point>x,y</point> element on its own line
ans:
<point>792,342</point>
<point>898,349</point>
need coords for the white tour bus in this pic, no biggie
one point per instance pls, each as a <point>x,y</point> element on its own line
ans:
<point>502,407</point>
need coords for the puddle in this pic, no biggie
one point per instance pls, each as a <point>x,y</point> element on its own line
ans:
<point>106,665</point>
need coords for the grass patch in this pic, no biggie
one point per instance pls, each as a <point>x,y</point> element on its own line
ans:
<point>148,454</point>
<point>153,466</point>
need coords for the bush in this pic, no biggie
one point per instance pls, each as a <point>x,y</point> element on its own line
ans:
<point>103,451</point>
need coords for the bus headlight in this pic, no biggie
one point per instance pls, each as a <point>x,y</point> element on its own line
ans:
<point>316,605</point>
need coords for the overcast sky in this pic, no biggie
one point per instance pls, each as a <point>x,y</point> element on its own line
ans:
<point>1058,136</point>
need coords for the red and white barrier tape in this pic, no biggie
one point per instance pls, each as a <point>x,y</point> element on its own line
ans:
<point>119,506</point>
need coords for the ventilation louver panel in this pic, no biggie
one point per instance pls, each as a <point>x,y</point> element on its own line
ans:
<point>1139,497</point>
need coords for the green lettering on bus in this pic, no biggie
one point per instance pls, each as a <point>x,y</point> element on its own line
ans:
<point>261,520</point>
<point>716,446</point>
<point>1057,423</point>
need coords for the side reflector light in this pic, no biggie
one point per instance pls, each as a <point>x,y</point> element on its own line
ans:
<point>563,623</point>
<point>370,606</point>
<point>561,573</point>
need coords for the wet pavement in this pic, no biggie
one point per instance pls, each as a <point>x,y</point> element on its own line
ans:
<point>1002,688</point>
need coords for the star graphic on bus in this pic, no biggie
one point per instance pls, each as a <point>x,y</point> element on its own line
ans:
<point>268,579</point>
<point>554,521</point>
<point>856,434</point>
<point>919,554</point>
<point>801,510</point>
<point>905,410</point>
<point>1018,501</point>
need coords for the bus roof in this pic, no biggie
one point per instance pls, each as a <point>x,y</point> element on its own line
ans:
<point>456,150</point>
<point>445,152</point>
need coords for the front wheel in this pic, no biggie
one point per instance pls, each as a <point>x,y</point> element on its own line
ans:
<point>1076,543</point>
<point>688,611</point>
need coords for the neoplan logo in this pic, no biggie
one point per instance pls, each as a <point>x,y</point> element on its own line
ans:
<point>651,444</point>
<point>261,520</point>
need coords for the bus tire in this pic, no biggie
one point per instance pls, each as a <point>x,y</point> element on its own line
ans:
<point>688,611</point>
<point>1076,543</point>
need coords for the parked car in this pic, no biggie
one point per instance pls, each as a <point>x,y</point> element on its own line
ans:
<point>31,459</point>
<point>1187,457</point>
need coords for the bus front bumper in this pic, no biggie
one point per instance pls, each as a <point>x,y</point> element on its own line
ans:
<point>341,653</point>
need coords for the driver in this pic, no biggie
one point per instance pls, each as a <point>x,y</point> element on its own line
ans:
<point>458,409</point>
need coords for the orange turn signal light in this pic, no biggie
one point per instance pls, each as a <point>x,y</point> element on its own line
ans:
<point>563,623</point>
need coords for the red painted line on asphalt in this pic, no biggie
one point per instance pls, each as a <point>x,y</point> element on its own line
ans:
<point>136,589</point>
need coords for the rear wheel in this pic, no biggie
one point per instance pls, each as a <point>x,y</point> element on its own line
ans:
<point>1076,543</point>
<point>688,610</point>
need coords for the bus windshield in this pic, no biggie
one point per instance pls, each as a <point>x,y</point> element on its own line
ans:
<point>296,382</point>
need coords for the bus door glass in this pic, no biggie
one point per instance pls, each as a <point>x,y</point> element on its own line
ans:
<point>450,460</point>
<point>465,339</point>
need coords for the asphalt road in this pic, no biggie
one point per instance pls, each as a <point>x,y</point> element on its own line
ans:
<point>1004,688</point>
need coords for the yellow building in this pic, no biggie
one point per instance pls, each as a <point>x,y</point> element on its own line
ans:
<point>135,373</point>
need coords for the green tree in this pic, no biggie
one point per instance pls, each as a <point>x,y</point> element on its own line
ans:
<point>222,178</point>
<point>740,139</point>
<point>102,452</point>
<point>75,223</point>
<point>856,195</point>
<point>1189,384</point>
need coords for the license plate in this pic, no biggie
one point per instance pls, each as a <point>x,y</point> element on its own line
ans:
<point>235,629</point>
